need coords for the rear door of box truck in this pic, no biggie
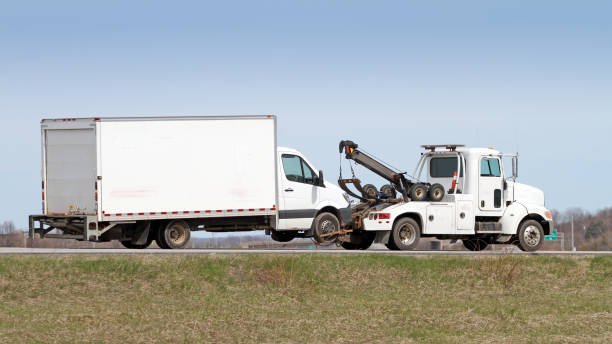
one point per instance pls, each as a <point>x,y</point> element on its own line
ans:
<point>187,166</point>
<point>69,166</point>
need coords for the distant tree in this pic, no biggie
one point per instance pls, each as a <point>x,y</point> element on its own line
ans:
<point>7,227</point>
<point>594,230</point>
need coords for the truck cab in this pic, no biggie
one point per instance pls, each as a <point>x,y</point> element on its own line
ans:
<point>303,195</point>
<point>483,203</point>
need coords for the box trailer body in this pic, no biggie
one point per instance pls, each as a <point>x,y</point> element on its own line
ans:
<point>104,173</point>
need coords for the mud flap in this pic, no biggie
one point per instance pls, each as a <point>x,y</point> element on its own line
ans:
<point>141,234</point>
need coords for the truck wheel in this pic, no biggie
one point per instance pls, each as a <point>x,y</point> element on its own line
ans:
<point>365,241</point>
<point>405,234</point>
<point>349,245</point>
<point>325,225</point>
<point>175,234</point>
<point>531,236</point>
<point>418,192</point>
<point>369,191</point>
<point>475,244</point>
<point>436,192</point>
<point>282,236</point>
<point>128,244</point>
<point>390,245</point>
<point>158,235</point>
<point>388,190</point>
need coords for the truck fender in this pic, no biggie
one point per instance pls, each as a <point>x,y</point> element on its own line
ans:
<point>513,216</point>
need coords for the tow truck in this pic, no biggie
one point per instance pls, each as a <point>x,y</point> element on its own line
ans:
<point>455,193</point>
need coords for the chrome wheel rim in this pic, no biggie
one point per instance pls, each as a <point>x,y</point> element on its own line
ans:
<point>407,234</point>
<point>531,236</point>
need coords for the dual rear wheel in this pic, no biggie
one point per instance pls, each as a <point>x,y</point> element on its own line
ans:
<point>169,235</point>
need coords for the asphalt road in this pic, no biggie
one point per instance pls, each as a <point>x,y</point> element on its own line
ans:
<point>100,251</point>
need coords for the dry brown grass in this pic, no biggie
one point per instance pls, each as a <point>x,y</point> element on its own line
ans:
<point>298,299</point>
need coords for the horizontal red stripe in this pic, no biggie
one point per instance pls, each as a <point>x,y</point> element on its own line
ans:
<point>197,211</point>
<point>130,214</point>
<point>208,211</point>
<point>251,209</point>
<point>262,209</point>
<point>153,213</point>
<point>117,214</point>
<point>185,212</point>
<point>140,213</point>
<point>229,210</point>
<point>106,214</point>
<point>219,211</point>
<point>175,212</point>
<point>164,213</point>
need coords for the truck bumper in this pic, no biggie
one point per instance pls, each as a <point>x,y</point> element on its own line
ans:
<point>346,215</point>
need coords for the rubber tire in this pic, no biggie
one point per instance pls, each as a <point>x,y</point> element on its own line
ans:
<point>369,191</point>
<point>390,245</point>
<point>282,236</point>
<point>165,233</point>
<point>349,246</point>
<point>388,190</point>
<point>418,192</point>
<point>395,234</point>
<point>316,226</point>
<point>475,244</point>
<point>159,239</point>
<point>128,244</point>
<point>367,239</point>
<point>521,241</point>
<point>436,189</point>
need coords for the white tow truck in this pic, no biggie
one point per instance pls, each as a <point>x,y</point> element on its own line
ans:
<point>480,203</point>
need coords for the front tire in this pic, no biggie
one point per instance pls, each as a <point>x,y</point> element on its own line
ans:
<point>324,227</point>
<point>405,234</point>
<point>531,236</point>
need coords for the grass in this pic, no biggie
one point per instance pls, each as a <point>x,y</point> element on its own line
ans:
<point>305,299</point>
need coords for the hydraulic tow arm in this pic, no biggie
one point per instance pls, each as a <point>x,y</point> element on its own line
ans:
<point>397,179</point>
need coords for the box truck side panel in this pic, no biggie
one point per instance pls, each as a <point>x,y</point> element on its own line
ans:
<point>157,166</point>
<point>70,165</point>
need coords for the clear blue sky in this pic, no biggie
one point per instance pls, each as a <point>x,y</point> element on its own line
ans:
<point>532,76</point>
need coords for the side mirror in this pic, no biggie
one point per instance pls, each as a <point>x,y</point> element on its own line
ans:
<point>320,180</point>
<point>515,167</point>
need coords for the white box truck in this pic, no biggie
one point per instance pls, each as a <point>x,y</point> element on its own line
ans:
<point>159,178</point>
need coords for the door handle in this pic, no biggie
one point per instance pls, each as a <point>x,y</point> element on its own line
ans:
<point>289,190</point>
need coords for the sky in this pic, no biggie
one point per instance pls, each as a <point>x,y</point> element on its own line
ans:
<point>527,76</point>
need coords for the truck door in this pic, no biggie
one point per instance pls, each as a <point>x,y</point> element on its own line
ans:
<point>490,184</point>
<point>298,193</point>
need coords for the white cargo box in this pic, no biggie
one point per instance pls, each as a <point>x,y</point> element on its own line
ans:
<point>159,167</point>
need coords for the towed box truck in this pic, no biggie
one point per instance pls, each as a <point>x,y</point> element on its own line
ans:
<point>144,179</point>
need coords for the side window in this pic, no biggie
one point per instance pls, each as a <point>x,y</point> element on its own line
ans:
<point>297,170</point>
<point>308,173</point>
<point>489,167</point>
<point>443,167</point>
<point>292,165</point>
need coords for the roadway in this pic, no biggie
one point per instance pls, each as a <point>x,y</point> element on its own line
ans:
<point>5,251</point>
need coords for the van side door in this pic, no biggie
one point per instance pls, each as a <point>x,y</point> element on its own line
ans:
<point>298,193</point>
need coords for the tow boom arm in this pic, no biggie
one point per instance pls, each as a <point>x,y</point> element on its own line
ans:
<point>397,179</point>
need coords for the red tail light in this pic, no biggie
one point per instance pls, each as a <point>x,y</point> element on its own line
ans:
<point>384,216</point>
